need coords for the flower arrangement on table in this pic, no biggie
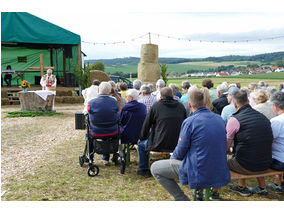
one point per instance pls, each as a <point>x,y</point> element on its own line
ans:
<point>25,85</point>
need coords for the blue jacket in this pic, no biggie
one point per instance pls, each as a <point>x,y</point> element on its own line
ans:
<point>103,115</point>
<point>132,116</point>
<point>202,147</point>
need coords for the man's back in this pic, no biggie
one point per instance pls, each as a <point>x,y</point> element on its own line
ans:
<point>103,116</point>
<point>205,162</point>
<point>253,141</point>
<point>165,118</point>
<point>220,103</point>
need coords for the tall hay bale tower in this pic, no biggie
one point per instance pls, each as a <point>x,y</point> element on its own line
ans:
<point>148,67</point>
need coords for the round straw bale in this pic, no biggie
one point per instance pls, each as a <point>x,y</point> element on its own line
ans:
<point>99,75</point>
<point>149,72</point>
<point>149,53</point>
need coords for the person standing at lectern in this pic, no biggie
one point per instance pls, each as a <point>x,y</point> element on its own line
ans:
<point>48,81</point>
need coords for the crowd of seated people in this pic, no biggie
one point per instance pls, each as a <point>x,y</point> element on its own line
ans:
<point>245,123</point>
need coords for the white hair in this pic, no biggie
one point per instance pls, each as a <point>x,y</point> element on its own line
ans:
<point>137,84</point>
<point>222,88</point>
<point>133,93</point>
<point>160,83</point>
<point>105,88</point>
<point>49,70</point>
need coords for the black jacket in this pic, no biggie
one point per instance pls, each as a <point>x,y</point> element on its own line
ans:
<point>164,119</point>
<point>253,142</point>
<point>220,103</point>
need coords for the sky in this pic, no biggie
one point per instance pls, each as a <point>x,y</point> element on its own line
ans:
<point>206,24</point>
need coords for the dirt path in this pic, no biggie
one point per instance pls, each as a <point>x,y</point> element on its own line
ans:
<point>25,141</point>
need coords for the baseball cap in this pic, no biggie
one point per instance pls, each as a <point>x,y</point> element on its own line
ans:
<point>232,90</point>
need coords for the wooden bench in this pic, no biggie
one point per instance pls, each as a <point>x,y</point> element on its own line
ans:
<point>269,172</point>
<point>236,176</point>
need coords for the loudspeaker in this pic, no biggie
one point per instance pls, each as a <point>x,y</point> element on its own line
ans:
<point>68,51</point>
<point>69,79</point>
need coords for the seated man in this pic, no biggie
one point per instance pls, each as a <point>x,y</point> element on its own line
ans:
<point>164,119</point>
<point>132,116</point>
<point>103,114</point>
<point>48,81</point>
<point>277,124</point>
<point>199,159</point>
<point>90,93</point>
<point>221,101</point>
<point>229,109</point>
<point>252,135</point>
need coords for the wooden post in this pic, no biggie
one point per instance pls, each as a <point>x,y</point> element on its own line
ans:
<point>79,57</point>
<point>64,64</point>
<point>41,64</point>
<point>79,66</point>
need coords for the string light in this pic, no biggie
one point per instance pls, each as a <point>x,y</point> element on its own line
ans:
<point>184,39</point>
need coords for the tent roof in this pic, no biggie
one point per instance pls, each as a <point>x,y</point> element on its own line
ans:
<point>26,28</point>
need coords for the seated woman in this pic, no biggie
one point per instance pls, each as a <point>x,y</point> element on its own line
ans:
<point>103,116</point>
<point>132,116</point>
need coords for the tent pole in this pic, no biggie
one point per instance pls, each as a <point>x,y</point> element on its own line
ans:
<point>64,64</point>
<point>41,64</point>
<point>79,68</point>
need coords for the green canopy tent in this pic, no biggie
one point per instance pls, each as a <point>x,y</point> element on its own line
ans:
<point>24,37</point>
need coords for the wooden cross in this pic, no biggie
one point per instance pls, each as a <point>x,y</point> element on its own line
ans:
<point>41,66</point>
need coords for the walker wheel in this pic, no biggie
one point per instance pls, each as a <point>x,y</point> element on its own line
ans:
<point>93,170</point>
<point>81,160</point>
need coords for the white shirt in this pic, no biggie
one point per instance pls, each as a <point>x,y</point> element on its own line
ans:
<point>89,94</point>
<point>277,125</point>
<point>43,82</point>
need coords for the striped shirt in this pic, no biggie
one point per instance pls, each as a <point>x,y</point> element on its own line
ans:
<point>148,100</point>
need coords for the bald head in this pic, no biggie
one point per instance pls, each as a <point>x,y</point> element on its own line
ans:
<point>166,92</point>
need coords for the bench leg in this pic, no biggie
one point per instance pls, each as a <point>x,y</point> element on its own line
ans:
<point>207,194</point>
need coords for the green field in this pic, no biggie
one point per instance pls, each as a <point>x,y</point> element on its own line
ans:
<point>181,68</point>
<point>273,79</point>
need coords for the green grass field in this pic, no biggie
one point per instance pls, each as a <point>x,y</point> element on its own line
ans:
<point>273,79</point>
<point>181,68</point>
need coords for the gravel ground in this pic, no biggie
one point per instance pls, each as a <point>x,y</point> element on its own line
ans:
<point>25,141</point>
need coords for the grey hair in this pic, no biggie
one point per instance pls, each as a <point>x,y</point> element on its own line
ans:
<point>240,98</point>
<point>137,84</point>
<point>246,90</point>
<point>133,93</point>
<point>253,86</point>
<point>185,84</point>
<point>261,84</point>
<point>151,87</point>
<point>278,99</point>
<point>145,89</point>
<point>270,91</point>
<point>113,85</point>
<point>222,88</point>
<point>49,70</point>
<point>196,97</point>
<point>160,83</point>
<point>105,88</point>
<point>174,87</point>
